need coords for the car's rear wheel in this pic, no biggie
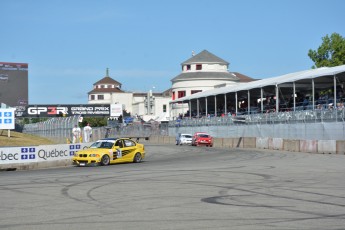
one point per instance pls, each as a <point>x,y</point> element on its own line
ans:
<point>137,158</point>
<point>105,160</point>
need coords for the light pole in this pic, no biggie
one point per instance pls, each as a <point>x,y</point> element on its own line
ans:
<point>150,102</point>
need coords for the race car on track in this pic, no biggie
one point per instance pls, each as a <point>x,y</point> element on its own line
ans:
<point>202,138</point>
<point>110,151</point>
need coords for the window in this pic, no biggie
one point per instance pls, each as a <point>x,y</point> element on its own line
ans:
<point>129,143</point>
<point>199,67</point>
<point>100,97</point>
<point>195,91</point>
<point>164,108</point>
<point>188,67</point>
<point>181,94</point>
<point>92,97</point>
<point>173,95</point>
<point>102,86</point>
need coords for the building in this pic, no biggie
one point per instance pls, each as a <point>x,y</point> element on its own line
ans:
<point>200,73</point>
<point>146,105</point>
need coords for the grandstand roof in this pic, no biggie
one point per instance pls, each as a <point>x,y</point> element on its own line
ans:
<point>287,78</point>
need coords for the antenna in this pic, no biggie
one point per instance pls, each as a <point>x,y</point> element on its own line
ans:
<point>107,72</point>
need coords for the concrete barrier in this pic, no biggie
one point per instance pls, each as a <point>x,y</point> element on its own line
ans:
<point>154,139</point>
<point>166,140</point>
<point>218,142</point>
<point>238,142</point>
<point>275,143</point>
<point>340,146</point>
<point>262,142</point>
<point>249,142</point>
<point>327,146</point>
<point>291,145</point>
<point>227,143</point>
<point>308,146</point>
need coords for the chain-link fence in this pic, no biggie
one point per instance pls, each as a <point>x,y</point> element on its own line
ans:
<point>60,129</point>
<point>308,124</point>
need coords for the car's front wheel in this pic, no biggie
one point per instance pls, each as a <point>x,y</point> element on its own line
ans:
<point>105,160</point>
<point>137,158</point>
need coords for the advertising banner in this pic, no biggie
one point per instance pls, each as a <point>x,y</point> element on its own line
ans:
<point>14,83</point>
<point>41,153</point>
<point>116,110</point>
<point>18,155</point>
<point>85,110</point>
<point>7,119</point>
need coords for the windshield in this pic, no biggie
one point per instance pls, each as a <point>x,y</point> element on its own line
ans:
<point>102,144</point>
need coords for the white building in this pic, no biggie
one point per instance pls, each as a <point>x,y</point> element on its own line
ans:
<point>146,105</point>
<point>201,72</point>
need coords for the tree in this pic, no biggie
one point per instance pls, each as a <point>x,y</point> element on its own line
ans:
<point>330,53</point>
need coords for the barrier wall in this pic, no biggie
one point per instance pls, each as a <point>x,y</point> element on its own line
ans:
<point>41,156</point>
<point>47,156</point>
<point>305,146</point>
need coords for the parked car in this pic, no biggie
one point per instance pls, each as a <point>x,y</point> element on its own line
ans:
<point>128,120</point>
<point>109,151</point>
<point>202,138</point>
<point>185,139</point>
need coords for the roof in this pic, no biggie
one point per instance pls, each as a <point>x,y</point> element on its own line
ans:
<point>190,76</point>
<point>287,78</point>
<point>243,78</point>
<point>106,90</point>
<point>107,80</point>
<point>205,57</point>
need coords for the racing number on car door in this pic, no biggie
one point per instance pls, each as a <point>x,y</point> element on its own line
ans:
<point>118,152</point>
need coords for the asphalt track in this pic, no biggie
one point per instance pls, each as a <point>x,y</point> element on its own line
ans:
<point>182,187</point>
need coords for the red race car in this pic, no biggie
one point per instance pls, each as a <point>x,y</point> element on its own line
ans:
<point>201,138</point>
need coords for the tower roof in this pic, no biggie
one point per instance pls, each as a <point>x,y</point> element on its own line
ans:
<point>205,57</point>
<point>107,80</point>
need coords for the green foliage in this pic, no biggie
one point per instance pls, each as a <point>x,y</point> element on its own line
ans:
<point>330,53</point>
<point>95,121</point>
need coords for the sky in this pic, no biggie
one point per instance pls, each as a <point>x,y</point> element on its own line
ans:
<point>68,44</point>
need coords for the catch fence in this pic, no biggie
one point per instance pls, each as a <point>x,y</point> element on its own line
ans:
<point>307,124</point>
<point>60,129</point>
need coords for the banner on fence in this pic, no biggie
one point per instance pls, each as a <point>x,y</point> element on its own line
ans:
<point>87,110</point>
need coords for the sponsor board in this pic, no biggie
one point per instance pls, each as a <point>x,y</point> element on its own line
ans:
<point>41,153</point>
<point>14,83</point>
<point>63,110</point>
<point>7,119</point>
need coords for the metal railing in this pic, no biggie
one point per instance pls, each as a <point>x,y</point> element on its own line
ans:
<point>265,118</point>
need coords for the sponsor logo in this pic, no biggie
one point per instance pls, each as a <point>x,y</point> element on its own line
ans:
<point>51,110</point>
<point>28,153</point>
<point>9,156</point>
<point>74,149</point>
<point>43,154</point>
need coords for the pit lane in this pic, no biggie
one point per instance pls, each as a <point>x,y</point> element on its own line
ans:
<point>182,187</point>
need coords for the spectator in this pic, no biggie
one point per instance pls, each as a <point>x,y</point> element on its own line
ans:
<point>76,132</point>
<point>87,133</point>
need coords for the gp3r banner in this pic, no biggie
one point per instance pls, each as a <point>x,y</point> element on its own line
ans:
<point>87,110</point>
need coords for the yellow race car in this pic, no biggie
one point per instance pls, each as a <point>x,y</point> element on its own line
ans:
<point>109,151</point>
